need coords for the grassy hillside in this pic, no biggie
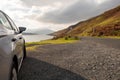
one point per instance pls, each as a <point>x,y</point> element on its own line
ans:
<point>106,24</point>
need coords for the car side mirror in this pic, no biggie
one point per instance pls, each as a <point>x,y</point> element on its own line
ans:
<point>22,29</point>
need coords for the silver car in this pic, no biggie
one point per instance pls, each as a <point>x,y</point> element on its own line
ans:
<point>12,48</point>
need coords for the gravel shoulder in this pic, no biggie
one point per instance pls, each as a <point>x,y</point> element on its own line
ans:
<point>87,59</point>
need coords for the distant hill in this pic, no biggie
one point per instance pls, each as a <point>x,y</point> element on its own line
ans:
<point>24,33</point>
<point>37,31</point>
<point>106,24</point>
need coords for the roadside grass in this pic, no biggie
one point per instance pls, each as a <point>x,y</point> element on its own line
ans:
<point>31,46</point>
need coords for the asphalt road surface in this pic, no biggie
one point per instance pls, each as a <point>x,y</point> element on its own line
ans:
<point>87,59</point>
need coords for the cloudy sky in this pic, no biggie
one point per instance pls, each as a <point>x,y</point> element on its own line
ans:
<point>54,14</point>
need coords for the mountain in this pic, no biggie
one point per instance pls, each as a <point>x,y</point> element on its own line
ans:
<point>106,24</point>
<point>27,33</point>
<point>38,31</point>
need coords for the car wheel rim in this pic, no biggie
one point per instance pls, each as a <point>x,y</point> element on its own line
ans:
<point>14,75</point>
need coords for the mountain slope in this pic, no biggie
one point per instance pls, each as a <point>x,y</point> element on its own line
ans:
<point>106,24</point>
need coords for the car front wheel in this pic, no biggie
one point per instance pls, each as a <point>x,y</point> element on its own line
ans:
<point>13,73</point>
<point>24,52</point>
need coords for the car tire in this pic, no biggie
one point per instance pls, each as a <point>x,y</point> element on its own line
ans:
<point>13,75</point>
<point>24,52</point>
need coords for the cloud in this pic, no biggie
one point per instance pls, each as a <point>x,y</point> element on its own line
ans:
<point>78,11</point>
<point>54,14</point>
<point>109,4</point>
<point>30,3</point>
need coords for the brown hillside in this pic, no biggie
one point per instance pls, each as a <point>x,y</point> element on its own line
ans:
<point>106,24</point>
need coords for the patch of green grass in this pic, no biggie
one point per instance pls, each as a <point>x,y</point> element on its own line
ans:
<point>57,41</point>
<point>110,21</point>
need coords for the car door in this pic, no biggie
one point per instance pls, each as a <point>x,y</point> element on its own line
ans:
<point>19,41</point>
<point>6,46</point>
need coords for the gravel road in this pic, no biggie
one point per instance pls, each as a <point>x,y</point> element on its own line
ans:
<point>88,59</point>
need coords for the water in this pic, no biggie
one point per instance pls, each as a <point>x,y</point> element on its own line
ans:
<point>36,38</point>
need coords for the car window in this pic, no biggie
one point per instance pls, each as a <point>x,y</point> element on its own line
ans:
<point>13,24</point>
<point>4,21</point>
